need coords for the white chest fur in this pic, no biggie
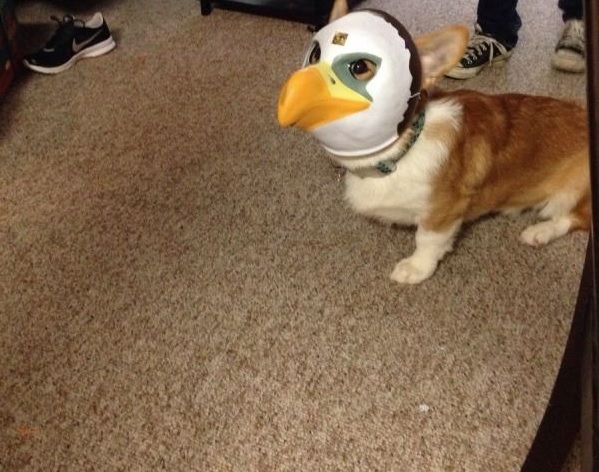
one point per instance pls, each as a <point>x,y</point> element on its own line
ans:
<point>403,195</point>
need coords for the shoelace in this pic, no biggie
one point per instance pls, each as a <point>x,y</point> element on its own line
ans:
<point>479,44</point>
<point>64,30</point>
<point>573,36</point>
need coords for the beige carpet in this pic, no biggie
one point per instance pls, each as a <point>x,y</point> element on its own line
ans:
<point>182,287</point>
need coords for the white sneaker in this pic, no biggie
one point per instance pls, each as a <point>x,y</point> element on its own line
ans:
<point>569,55</point>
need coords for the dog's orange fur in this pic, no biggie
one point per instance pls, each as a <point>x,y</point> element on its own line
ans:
<point>511,151</point>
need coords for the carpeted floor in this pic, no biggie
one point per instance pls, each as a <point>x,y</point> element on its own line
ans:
<point>182,287</point>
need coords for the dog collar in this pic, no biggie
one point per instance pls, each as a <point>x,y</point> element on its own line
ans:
<point>387,166</point>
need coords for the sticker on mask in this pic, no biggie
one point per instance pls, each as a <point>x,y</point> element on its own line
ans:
<point>339,39</point>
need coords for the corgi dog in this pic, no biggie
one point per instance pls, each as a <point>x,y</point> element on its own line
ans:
<point>416,155</point>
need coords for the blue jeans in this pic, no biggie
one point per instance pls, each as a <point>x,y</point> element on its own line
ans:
<point>501,20</point>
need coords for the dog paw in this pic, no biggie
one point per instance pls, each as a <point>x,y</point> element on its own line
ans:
<point>412,271</point>
<point>540,234</point>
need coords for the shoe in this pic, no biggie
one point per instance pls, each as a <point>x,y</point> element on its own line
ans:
<point>482,51</point>
<point>74,39</point>
<point>569,55</point>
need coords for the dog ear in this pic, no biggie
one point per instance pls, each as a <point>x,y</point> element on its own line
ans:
<point>339,9</point>
<point>440,51</point>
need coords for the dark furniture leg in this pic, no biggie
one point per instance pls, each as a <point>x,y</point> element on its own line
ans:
<point>561,422</point>
<point>574,403</point>
<point>590,396</point>
<point>315,13</point>
<point>590,360</point>
<point>205,7</point>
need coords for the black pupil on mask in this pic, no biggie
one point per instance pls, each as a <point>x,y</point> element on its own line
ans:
<point>315,54</point>
<point>359,67</point>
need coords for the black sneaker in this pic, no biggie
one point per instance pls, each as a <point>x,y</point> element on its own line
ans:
<point>482,51</point>
<point>73,40</point>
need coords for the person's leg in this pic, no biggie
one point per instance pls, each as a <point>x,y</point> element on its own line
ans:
<point>571,9</point>
<point>500,19</point>
<point>495,35</point>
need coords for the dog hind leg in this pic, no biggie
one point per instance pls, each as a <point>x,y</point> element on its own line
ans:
<point>546,231</point>
<point>561,220</point>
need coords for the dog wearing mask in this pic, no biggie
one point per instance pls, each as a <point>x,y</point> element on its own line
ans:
<point>416,155</point>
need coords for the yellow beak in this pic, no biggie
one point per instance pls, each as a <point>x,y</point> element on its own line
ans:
<point>315,96</point>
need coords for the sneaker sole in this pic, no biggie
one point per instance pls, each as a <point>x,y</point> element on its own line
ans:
<point>93,51</point>
<point>462,73</point>
<point>569,64</point>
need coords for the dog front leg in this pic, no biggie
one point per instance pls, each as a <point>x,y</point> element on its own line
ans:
<point>431,246</point>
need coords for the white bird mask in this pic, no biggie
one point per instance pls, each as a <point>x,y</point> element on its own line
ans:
<point>359,87</point>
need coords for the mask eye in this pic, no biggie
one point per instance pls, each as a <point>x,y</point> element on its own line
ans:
<point>362,69</point>
<point>314,56</point>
